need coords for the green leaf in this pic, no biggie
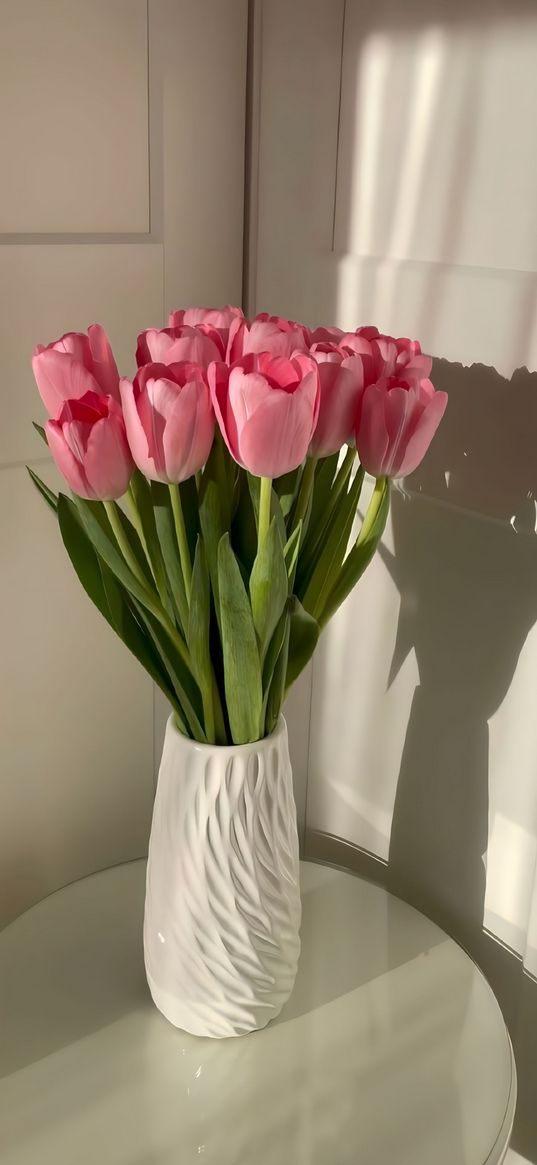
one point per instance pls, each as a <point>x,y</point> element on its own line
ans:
<point>145,516</point>
<point>286,489</point>
<point>304,635</point>
<point>332,550</point>
<point>324,478</point>
<point>165,528</point>
<point>198,636</point>
<point>221,469</point>
<point>357,560</point>
<point>268,587</point>
<point>276,645</point>
<point>39,429</point>
<point>184,684</point>
<point>212,513</point>
<point>48,494</point>
<point>244,526</point>
<point>106,546</point>
<point>276,692</point>
<point>125,622</point>
<point>104,543</point>
<point>291,549</point>
<point>330,484</point>
<point>242,669</point>
<point>108,597</point>
<point>132,536</point>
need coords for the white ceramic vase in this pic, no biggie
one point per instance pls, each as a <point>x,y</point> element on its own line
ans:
<point>222,910</point>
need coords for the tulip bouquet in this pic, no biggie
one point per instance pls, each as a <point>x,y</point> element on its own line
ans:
<point>240,449</point>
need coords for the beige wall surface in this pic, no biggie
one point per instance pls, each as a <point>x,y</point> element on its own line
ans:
<point>121,197</point>
<point>396,178</point>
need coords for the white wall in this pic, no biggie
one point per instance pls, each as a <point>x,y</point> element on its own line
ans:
<point>397,184</point>
<point>122,129</point>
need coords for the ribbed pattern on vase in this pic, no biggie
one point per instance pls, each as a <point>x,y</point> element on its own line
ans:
<point>222,913</point>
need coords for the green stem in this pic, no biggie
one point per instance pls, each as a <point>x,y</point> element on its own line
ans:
<point>265,498</point>
<point>182,540</point>
<point>124,544</point>
<point>150,599</point>
<point>137,523</point>
<point>304,493</point>
<point>372,509</point>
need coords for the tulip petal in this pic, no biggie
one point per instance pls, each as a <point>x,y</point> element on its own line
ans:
<point>423,433</point>
<point>158,344</point>
<point>60,377</point>
<point>387,350</point>
<point>325,336</point>
<point>235,339</point>
<point>108,465</point>
<point>400,409</point>
<point>281,370</point>
<point>340,389</point>
<point>218,375</point>
<point>247,391</point>
<point>143,355</point>
<point>276,438</point>
<point>371,431</point>
<point>66,461</point>
<point>215,316</point>
<point>193,347</point>
<point>104,365</point>
<point>136,436</point>
<point>189,432</point>
<point>263,336</point>
<point>418,367</point>
<point>77,345</point>
<point>154,407</point>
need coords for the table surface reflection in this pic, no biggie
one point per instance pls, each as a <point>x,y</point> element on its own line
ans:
<point>392,1047</point>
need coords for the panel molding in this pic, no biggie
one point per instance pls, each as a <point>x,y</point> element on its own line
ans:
<point>74,120</point>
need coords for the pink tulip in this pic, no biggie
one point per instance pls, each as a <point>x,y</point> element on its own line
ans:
<point>386,356</point>
<point>341,380</point>
<point>267,409</point>
<point>169,420</point>
<point>397,420</point>
<point>73,365</point>
<point>403,357</point>
<point>362,343</point>
<point>199,345</point>
<point>89,445</point>
<point>324,336</point>
<point>216,317</point>
<point>265,333</point>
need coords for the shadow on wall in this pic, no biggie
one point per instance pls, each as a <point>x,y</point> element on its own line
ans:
<point>467,605</point>
<point>468,602</point>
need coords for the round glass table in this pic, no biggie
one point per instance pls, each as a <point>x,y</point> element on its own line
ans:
<point>392,1048</point>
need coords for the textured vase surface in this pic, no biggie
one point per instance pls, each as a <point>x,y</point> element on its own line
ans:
<point>222,910</point>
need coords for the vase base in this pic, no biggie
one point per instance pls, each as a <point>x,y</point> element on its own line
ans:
<point>205,1022</point>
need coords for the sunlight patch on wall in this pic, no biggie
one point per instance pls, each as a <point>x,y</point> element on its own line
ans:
<point>354,759</point>
<point>372,81</point>
<point>511,863</point>
<point>511,890</point>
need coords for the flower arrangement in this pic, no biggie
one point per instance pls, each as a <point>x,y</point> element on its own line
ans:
<point>231,551</point>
